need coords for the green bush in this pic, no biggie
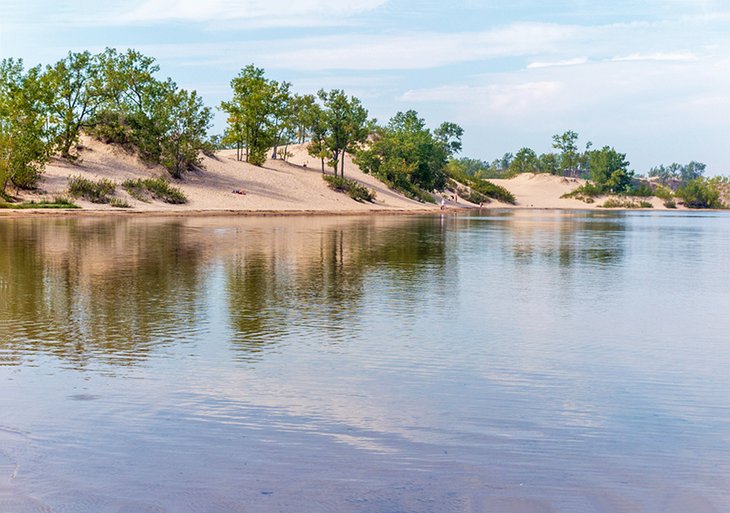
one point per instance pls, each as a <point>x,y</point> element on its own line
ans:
<point>493,191</point>
<point>641,190</point>
<point>354,189</point>
<point>144,189</point>
<point>670,203</point>
<point>96,192</point>
<point>699,193</point>
<point>476,197</point>
<point>585,192</point>
<point>663,193</point>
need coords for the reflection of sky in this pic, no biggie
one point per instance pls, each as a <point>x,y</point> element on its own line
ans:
<point>601,368</point>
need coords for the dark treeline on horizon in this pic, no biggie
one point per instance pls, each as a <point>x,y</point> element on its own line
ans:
<point>118,98</point>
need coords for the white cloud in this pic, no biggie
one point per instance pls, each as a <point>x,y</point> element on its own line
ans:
<point>503,99</point>
<point>356,52</point>
<point>657,56</point>
<point>155,11</point>
<point>568,62</point>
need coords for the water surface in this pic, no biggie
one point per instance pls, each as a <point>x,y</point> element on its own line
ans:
<point>512,362</point>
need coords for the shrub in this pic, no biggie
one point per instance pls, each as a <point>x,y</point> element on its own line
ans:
<point>119,203</point>
<point>641,189</point>
<point>354,189</point>
<point>585,192</point>
<point>699,193</point>
<point>476,197</point>
<point>143,189</point>
<point>493,191</point>
<point>625,203</point>
<point>670,203</point>
<point>96,192</point>
<point>663,193</point>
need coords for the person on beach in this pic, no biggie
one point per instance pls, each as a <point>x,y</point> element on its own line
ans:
<point>443,204</point>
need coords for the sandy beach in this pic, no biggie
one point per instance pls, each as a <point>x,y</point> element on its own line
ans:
<point>224,185</point>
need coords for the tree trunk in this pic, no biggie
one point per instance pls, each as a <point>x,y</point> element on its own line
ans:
<point>342,166</point>
<point>336,160</point>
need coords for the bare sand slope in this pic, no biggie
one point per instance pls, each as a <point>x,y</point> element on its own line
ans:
<point>545,191</point>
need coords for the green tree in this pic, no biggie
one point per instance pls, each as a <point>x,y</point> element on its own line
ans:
<point>282,113</point>
<point>609,170</point>
<point>406,155</point>
<point>316,121</point>
<point>251,112</point>
<point>525,161</point>
<point>166,124</point>
<point>185,121</point>
<point>347,125</point>
<point>549,163</point>
<point>76,83</point>
<point>25,138</point>
<point>700,193</point>
<point>569,157</point>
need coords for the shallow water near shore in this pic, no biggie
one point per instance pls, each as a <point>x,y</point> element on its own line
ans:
<point>524,361</point>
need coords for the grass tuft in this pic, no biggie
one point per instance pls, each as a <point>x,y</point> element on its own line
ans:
<point>146,189</point>
<point>96,192</point>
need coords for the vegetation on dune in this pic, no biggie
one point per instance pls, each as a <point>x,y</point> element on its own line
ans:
<point>57,203</point>
<point>112,96</point>
<point>625,203</point>
<point>479,189</point>
<point>701,193</point>
<point>408,156</point>
<point>353,188</point>
<point>147,189</point>
<point>99,191</point>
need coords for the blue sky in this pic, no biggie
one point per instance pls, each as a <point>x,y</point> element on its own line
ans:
<point>650,77</point>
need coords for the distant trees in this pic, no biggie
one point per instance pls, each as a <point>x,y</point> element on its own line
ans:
<point>676,175</point>
<point>116,97</point>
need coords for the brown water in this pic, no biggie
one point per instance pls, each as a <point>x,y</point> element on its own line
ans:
<point>518,362</point>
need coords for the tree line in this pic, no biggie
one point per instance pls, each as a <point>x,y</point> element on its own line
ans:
<point>118,98</point>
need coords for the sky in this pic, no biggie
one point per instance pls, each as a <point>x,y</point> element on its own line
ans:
<point>648,77</point>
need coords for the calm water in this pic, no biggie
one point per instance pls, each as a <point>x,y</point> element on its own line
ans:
<point>519,362</point>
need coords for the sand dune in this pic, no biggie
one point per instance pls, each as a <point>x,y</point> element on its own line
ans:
<point>294,186</point>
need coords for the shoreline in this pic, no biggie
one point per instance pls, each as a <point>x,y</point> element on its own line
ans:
<point>280,188</point>
<point>40,213</point>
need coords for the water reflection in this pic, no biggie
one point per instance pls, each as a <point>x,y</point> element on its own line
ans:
<point>301,279</point>
<point>86,288</point>
<point>529,361</point>
<point>113,289</point>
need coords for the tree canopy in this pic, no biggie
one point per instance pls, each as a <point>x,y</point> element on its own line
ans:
<point>408,156</point>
